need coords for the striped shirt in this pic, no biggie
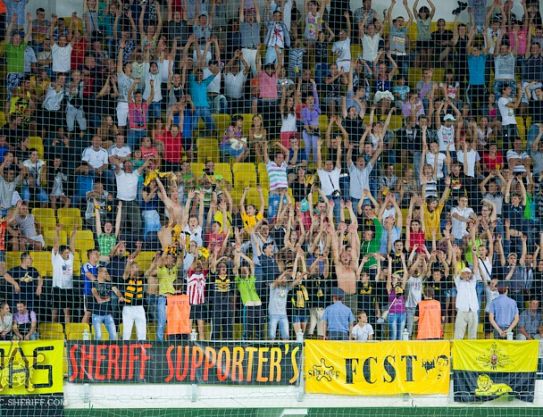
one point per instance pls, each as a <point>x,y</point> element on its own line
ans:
<point>133,293</point>
<point>277,175</point>
<point>196,284</point>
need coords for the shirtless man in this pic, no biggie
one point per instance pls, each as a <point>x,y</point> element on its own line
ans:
<point>169,234</point>
<point>346,258</point>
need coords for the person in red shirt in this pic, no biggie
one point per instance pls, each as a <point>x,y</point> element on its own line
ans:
<point>493,159</point>
<point>79,48</point>
<point>173,147</point>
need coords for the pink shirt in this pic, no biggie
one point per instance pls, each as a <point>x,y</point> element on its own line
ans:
<point>522,36</point>
<point>268,85</point>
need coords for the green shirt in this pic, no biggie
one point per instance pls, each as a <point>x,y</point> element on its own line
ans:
<point>15,57</point>
<point>247,291</point>
<point>106,243</point>
<point>166,277</point>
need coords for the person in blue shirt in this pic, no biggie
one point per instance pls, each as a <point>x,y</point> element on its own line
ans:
<point>89,272</point>
<point>198,92</point>
<point>338,318</point>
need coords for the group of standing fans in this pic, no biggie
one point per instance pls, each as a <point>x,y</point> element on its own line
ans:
<point>401,192</point>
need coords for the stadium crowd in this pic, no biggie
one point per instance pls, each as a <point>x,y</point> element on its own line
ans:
<point>289,167</point>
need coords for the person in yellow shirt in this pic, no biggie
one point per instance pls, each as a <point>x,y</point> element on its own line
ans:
<point>432,209</point>
<point>249,216</point>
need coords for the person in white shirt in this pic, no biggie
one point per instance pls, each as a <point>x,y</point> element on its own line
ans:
<point>507,107</point>
<point>370,40</point>
<point>234,82</point>
<point>460,216</point>
<point>120,151</point>
<point>329,178</point>
<point>342,49</point>
<point>471,159</point>
<point>446,131</point>
<point>61,51</point>
<point>362,331</point>
<point>467,305</point>
<point>517,159</point>
<point>96,156</point>
<point>62,258</point>
<point>152,74</point>
<point>127,192</point>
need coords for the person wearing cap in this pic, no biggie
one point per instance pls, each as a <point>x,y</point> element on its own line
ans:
<point>446,130</point>
<point>338,318</point>
<point>467,304</point>
<point>503,315</point>
<point>530,324</point>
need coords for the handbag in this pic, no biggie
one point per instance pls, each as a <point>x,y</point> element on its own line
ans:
<point>384,316</point>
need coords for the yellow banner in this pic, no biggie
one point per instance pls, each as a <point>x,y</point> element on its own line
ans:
<point>381,368</point>
<point>31,368</point>
<point>495,355</point>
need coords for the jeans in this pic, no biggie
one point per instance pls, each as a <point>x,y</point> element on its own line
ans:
<point>161,317</point>
<point>333,335</point>
<point>396,323</point>
<point>109,323</point>
<point>152,307</point>
<point>500,84</point>
<point>337,207</point>
<point>204,113</point>
<point>134,315</point>
<point>480,288</point>
<point>155,110</point>
<point>41,195</point>
<point>282,321</point>
<point>134,137</point>
<point>151,222</point>
<point>532,134</point>
<point>251,322</point>
<point>74,114</point>
<point>321,71</point>
<point>274,199</point>
<point>311,143</point>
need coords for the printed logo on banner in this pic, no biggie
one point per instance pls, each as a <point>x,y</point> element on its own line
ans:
<point>185,362</point>
<point>385,368</point>
<point>33,367</point>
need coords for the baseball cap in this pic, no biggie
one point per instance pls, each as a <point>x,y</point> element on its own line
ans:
<point>449,117</point>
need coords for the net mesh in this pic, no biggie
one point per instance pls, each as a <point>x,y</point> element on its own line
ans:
<point>251,158</point>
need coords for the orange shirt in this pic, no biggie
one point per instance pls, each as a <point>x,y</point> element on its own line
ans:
<point>429,320</point>
<point>178,314</point>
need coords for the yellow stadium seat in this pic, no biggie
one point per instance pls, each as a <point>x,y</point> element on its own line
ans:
<point>323,123</point>
<point>47,223</point>
<point>208,148</point>
<point>414,76</point>
<point>521,127</point>
<point>50,327</point>
<point>254,199</point>
<point>69,217</point>
<point>244,175</point>
<point>75,331</point>
<point>263,179</point>
<point>197,168</point>
<point>35,142</point>
<point>39,213</point>
<point>77,264</point>
<point>3,120</point>
<point>448,331</point>
<point>84,240</point>
<point>144,260</point>
<point>222,121</point>
<point>13,259</point>
<point>439,75</point>
<point>151,332</point>
<point>356,51</point>
<point>52,336</point>
<point>395,122</point>
<point>68,212</point>
<point>42,262</point>
<point>225,170</point>
<point>49,236</point>
<point>247,122</point>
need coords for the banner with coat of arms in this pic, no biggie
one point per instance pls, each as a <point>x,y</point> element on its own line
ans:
<point>484,370</point>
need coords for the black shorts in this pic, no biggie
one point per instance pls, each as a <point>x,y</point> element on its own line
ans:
<point>487,327</point>
<point>63,298</point>
<point>198,312</point>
